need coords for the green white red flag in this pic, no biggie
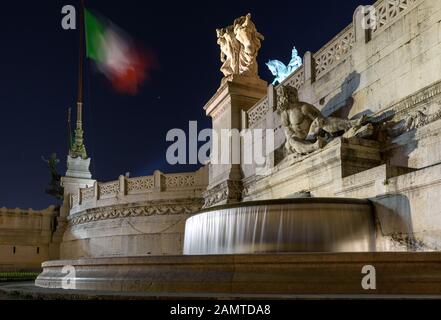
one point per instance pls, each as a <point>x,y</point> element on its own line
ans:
<point>115,54</point>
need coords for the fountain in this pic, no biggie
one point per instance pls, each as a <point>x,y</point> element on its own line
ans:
<point>129,235</point>
<point>293,225</point>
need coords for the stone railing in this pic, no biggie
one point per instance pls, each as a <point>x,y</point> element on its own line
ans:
<point>336,50</point>
<point>181,180</point>
<point>258,112</point>
<point>130,189</point>
<point>333,52</point>
<point>388,11</point>
<point>140,184</point>
<point>87,194</point>
<point>75,200</point>
<point>108,189</point>
<point>296,79</point>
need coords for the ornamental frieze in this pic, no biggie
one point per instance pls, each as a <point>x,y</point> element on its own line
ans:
<point>116,212</point>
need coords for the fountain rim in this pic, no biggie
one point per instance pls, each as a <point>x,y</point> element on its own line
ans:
<point>271,202</point>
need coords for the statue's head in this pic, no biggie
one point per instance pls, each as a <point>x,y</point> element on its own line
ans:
<point>286,96</point>
<point>276,67</point>
<point>219,32</point>
<point>295,53</point>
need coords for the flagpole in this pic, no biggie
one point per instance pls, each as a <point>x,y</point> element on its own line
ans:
<point>69,128</point>
<point>78,149</point>
<point>81,57</point>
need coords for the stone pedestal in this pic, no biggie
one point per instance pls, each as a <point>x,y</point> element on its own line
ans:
<point>236,95</point>
<point>77,176</point>
<point>78,168</point>
<point>319,173</point>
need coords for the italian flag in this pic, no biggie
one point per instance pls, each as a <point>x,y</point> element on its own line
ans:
<point>114,54</point>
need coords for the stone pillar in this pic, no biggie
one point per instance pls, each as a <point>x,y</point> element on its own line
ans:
<point>158,180</point>
<point>226,108</point>
<point>77,176</point>
<point>272,97</point>
<point>362,35</point>
<point>122,186</point>
<point>309,65</point>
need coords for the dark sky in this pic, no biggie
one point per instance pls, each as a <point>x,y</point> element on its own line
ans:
<point>38,63</point>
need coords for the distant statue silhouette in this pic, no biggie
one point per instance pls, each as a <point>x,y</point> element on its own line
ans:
<point>54,189</point>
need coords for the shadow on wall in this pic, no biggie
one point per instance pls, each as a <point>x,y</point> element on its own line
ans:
<point>394,220</point>
<point>403,146</point>
<point>401,137</point>
<point>341,104</point>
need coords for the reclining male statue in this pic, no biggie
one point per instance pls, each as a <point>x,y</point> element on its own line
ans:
<point>303,124</point>
<point>296,117</point>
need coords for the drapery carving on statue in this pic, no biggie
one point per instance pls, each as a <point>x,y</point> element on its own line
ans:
<point>239,44</point>
<point>230,50</point>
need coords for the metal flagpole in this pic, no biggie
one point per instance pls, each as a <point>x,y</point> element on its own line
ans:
<point>78,149</point>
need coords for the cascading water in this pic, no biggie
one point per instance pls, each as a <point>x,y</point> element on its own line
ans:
<point>295,225</point>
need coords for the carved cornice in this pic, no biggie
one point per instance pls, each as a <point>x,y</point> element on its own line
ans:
<point>136,210</point>
<point>402,108</point>
<point>225,192</point>
<point>220,111</point>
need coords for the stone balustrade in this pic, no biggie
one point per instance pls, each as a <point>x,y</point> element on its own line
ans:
<point>387,11</point>
<point>296,79</point>
<point>334,51</point>
<point>138,189</point>
<point>258,112</point>
<point>317,65</point>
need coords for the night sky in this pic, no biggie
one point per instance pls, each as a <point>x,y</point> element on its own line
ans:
<point>38,74</point>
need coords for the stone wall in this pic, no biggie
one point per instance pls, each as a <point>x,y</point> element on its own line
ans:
<point>26,238</point>
<point>133,216</point>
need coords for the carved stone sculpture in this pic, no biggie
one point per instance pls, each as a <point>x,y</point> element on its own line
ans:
<point>416,119</point>
<point>230,49</point>
<point>296,118</point>
<point>239,44</point>
<point>280,71</point>
<point>332,126</point>
<point>307,130</point>
<point>413,120</point>
<point>364,131</point>
<point>54,189</point>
